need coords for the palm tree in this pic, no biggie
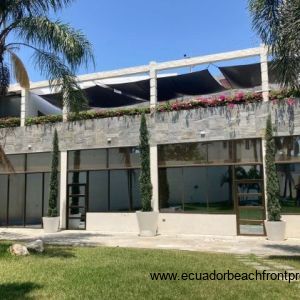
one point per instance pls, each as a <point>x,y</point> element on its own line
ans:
<point>278,24</point>
<point>58,49</point>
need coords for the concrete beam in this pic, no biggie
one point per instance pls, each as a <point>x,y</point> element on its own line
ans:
<point>159,66</point>
<point>63,189</point>
<point>264,72</point>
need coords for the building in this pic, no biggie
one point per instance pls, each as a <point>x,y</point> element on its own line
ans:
<point>206,154</point>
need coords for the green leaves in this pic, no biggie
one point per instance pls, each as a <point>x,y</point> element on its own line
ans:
<point>58,49</point>
<point>273,191</point>
<point>53,196</point>
<point>277,22</point>
<point>145,179</point>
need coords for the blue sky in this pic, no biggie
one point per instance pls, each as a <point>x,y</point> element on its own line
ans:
<point>134,32</point>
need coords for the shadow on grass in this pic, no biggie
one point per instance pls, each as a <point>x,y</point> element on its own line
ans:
<point>57,251</point>
<point>17,290</point>
<point>286,257</point>
<point>293,249</point>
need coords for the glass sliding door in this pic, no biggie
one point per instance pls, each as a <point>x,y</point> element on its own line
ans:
<point>3,199</point>
<point>16,216</point>
<point>34,200</point>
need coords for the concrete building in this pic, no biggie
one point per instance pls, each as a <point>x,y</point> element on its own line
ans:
<point>207,154</point>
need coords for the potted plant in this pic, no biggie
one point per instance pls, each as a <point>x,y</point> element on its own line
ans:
<point>147,218</point>
<point>275,227</point>
<point>51,222</point>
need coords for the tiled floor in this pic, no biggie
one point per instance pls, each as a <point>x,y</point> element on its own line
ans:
<point>236,244</point>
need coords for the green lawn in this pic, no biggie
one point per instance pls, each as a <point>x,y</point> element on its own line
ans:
<point>115,273</point>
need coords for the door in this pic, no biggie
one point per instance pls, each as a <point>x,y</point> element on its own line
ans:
<point>249,200</point>
<point>77,196</point>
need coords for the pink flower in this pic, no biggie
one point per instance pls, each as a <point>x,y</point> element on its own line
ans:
<point>230,105</point>
<point>222,98</point>
<point>291,101</point>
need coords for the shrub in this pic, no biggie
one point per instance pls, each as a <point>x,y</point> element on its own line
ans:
<point>273,191</point>
<point>52,210</point>
<point>145,179</point>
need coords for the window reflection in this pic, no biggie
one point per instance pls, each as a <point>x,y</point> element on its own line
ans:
<point>196,189</point>
<point>289,182</point>
<point>287,148</point>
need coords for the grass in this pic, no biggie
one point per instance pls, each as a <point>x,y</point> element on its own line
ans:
<point>116,273</point>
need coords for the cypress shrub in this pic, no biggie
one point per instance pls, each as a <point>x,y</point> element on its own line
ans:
<point>145,179</point>
<point>273,191</point>
<point>52,210</point>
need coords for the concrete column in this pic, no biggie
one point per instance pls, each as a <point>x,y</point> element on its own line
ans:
<point>154,176</point>
<point>63,189</point>
<point>263,144</point>
<point>24,105</point>
<point>264,72</point>
<point>65,113</point>
<point>153,85</point>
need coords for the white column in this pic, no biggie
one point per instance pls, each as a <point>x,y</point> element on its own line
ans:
<point>264,72</point>
<point>154,176</point>
<point>65,111</point>
<point>24,105</point>
<point>153,84</point>
<point>63,189</point>
<point>263,144</point>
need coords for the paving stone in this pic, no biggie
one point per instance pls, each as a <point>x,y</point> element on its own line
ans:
<point>262,268</point>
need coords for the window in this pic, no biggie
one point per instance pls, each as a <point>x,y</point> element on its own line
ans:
<point>289,182</point>
<point>196,189</point>
<point>39,162</point>
<point>17,162</point>
<point>87,159</point>
<point>182,154</point>
<point>287,148</point>
<point>124,157</point>
<point>211,152</point>
<point>16,200</point>
<point>98,191</point>
<point>3,199</point>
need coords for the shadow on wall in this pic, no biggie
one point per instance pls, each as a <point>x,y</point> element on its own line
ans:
<point>17,290</point>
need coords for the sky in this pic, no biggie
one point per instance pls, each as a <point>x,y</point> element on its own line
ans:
<point>134,32</point>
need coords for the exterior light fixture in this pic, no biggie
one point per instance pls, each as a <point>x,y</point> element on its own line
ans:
<point>202,133</point>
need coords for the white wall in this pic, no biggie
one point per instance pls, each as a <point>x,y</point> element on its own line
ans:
<point>292,225</point>
<point>203,224</point>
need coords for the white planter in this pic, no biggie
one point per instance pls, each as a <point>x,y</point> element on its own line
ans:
<point>147,222</point>
<point>275,230</point>
<point>51,224</point>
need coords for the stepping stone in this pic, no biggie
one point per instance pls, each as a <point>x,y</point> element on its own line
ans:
<point>283,267</point>
<point>262,268</point>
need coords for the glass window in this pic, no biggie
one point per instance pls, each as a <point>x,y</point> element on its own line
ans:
<point>287,148</point>
<point>289,181</point>
<point>248,150</point>
<point>77,177</point>
<point>136,203</point>
<point>248,172</point>
<point>125,157</point>
<point>87,159</point>
<point>16,161</point>
<point>182,154</point>
<point>171,189</point>
<point>98,191</point>
<point>219,189</point>
<point>3,199</point>
<point>195,189</point>
<point>119,190</point>
<point>39,162</point>
<point>16,199</point>
<point>34,199</point>
<point>220,152</point>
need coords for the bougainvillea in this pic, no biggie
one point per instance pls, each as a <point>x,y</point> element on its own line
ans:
<point>230,101</point>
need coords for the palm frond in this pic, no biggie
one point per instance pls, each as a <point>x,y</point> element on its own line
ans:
<point>57,37</point>
<point>19,70</point>
<point>4,78</point>
<point>277,22</point>
<point>62,79</point>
